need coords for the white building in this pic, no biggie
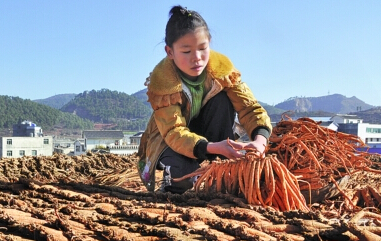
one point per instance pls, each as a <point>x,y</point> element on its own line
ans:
<point>27,140</point>
<point>346,119</point>
<point>63,146</point>
<point>79,147</point>
<point>102,139</point>
<point>370,134</point>
<point>128,148</point>
<point>16,146</point>
<point>114,142</point>
<point>135,139</point>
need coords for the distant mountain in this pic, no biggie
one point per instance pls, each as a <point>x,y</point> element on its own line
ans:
<point>15,110</point>
<point>106,106</point>
<point>142,96</point>
<point>272,110</point>
<point>323,106</point>
<point>371,116</point>
<point>335,103</point>
<point>56,101</point>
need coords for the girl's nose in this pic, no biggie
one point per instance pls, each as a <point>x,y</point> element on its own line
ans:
<point>196,56</point>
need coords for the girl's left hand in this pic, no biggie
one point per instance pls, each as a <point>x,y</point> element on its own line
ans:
<point>259,143</point>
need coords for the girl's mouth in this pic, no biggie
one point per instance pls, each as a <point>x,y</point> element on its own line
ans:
<point>198,67</point>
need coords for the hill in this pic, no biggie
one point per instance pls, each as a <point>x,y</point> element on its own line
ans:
<point>271,110</point>
<point>371,116</point>
<point>106,106</point>
<point>335,103</point>
<point>330,104</point>
<point>14,110</point>
<point>56,101</point>
<point>142,96</point>
<point>131,112</point>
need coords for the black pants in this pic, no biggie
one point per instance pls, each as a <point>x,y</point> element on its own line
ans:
<point>215,122</point>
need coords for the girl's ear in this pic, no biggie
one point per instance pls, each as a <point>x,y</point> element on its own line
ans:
<point>169,51</point>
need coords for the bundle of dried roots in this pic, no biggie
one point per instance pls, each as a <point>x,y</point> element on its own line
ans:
<point>263,180</point>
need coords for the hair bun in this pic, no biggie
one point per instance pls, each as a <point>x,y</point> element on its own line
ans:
<point>181,21</point>
<point>179,10</point>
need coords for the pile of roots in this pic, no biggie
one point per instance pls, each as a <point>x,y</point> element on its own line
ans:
<point>319,157</point>
<point>302,155</point>
<point>101,197</point>
<point>317,154</point>
<point>90,168</point>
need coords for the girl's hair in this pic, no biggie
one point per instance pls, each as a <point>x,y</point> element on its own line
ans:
<point>182,21</point>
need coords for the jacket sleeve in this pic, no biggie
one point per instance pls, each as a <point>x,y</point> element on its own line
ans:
<point>252,116</point>
<point>172,126</point>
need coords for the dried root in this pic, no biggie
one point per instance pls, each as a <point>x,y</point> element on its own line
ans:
<point>362,231</point>
<point>261,180</point>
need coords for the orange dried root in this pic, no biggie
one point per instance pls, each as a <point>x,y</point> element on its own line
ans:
<point>262,180</point>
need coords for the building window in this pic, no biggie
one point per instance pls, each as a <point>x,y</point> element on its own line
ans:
<point>373,130</point>
<point>46,141</point>
<point>34,152</point>
<point>9,141</point>
<point>77,148</point>
<point>9,153</point>
<point>22,153</point>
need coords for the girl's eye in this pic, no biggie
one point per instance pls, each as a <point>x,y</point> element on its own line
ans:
<point>186,52</point>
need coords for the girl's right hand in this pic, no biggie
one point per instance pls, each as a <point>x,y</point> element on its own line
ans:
<point>228,148</point>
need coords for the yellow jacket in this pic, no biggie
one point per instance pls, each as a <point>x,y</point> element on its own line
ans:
<point>171,103</point>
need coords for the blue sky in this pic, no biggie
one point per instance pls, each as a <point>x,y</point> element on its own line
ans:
<point>282,48</point>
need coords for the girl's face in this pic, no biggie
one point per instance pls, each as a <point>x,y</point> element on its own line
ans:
<point>191,53</point>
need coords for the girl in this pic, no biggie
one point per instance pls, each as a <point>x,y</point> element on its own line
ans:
<point>195,94</point>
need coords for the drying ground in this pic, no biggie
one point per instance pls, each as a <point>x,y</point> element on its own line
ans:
<point>100,197</point>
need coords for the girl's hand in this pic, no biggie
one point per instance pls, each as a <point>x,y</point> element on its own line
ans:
<point>233,149</point>
<point>259,144</point>
<point>228,148</point>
